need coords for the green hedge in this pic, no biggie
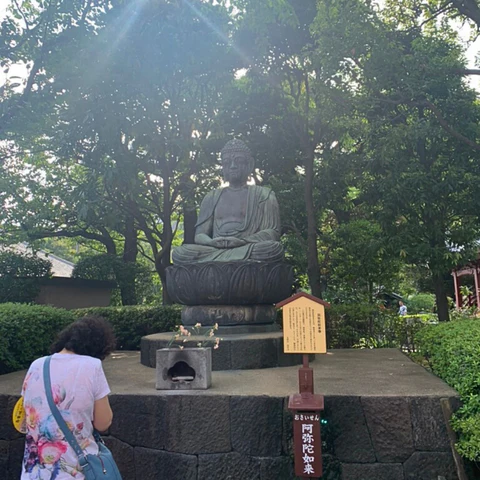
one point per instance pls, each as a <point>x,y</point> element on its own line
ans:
<point>452,350</point>
<point>421,303</point>
<point>131,323</point>
<point>361,325</point>
<point>26,333</point>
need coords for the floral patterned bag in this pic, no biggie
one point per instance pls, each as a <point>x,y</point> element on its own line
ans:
<point>95,467</point>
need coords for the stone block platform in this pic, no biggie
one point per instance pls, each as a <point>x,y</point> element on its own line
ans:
<point>385,420</point>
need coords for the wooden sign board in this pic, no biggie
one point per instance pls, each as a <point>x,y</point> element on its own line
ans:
<point>304,324</point>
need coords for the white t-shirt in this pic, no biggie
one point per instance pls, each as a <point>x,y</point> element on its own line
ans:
<point>77,382</point>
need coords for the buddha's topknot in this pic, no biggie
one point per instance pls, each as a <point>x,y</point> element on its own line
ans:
<point>236,146</point>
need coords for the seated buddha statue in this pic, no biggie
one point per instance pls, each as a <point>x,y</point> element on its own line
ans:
<point>239,222</point>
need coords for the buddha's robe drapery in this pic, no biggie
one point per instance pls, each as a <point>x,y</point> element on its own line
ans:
<point>260,229</point>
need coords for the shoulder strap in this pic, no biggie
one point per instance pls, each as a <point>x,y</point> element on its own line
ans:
<point>56,414</point>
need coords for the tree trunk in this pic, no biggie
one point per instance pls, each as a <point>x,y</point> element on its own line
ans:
<point>161,263</point>
<point>441,298</point>
<point>130,250</point>
<point>313,267</point>
<point>189,213</point>
<point>189,222</point>
<point>167,237</point>
<point>110,245</point>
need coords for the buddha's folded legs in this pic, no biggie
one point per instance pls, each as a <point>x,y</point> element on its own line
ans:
<point>267,251</point>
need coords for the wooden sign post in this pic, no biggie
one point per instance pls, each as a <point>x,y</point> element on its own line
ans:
<point>304,332</point>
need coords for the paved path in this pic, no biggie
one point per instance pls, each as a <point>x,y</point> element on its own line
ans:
<point>382,372</point>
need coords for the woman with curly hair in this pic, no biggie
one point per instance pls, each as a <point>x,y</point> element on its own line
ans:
<point>80,391</point>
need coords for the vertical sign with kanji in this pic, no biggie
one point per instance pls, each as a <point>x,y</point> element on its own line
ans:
<point>307,444</point>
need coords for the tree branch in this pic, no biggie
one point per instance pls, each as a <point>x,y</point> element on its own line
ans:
<point>469,8</point>
<point>436,111</point>
<point>468,71</point>
<point>27,24</point>
<point>105,240</point>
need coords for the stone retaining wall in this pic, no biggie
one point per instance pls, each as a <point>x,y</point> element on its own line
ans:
<point>214,437</point>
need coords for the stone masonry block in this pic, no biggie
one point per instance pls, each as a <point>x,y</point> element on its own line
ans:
<point>173,363</point>
<point>154,464</point>
<point>428,422</point>
<point>7,432</point>
<point>15,458</point>
<point>348,426</point>
<point>277,468</point>
<point>230,466</point>
<point>139,420</point>
<point>123,455</point>
<point>198,424</point>
<point>429,466</point>
<point>256,424</point>
<point>375,471</point>
<point>390,426</point>
<point>4,448</point>
<point>287,434</point>
<point>332,468</point>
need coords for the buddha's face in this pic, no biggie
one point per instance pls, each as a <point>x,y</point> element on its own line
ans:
<point>236,168</point>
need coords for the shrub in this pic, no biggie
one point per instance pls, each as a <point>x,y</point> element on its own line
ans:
<point>131,323</point>
<point>421,303</point>
<point>361,324</point>
<point>26,333</point>
<point>18,276</point>
<point>452,352</point>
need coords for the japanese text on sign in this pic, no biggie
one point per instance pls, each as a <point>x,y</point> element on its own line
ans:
<point>307,442</point>
<point>304,327</point>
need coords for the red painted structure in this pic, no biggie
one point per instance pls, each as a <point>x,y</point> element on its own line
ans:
<point>473,299</point>
<point>307,442</point>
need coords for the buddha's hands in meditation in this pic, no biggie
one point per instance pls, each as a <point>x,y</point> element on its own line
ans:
<point>227,242</point>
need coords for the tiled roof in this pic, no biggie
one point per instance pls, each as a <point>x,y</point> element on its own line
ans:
<point>60,266</point>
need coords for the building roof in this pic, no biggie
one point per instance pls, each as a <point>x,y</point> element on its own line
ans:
<point>60,266</point>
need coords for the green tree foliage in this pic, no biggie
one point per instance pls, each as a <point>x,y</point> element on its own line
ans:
<point>421,123</point>
<point>130,101</point>
<point>359,118</point>
<point>293,115</point>
<point>113,268</point>
<point>421,303</point>
<point>361,266</point>
<point>19,276</point>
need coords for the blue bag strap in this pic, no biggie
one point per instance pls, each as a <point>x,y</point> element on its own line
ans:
<point>58,416</point>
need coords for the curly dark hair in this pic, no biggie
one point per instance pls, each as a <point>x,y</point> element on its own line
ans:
<point>89,335</point>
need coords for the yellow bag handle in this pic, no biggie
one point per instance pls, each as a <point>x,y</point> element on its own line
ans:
<point>18,417</point>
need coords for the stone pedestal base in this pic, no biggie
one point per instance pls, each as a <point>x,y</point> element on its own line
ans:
<point>236,352</point>
<point>230,283</point>
<point>228,314</point>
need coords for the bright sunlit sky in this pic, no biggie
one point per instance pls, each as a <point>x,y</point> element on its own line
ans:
<point>464,30</point>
